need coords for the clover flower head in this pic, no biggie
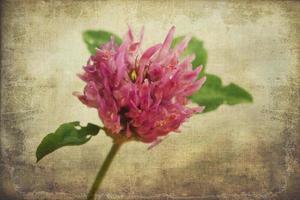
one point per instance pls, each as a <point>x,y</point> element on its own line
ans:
<point>141,94</point>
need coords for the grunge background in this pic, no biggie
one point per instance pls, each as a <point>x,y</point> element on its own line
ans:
<point>248,151</point>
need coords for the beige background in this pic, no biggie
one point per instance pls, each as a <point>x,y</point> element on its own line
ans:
<point>249,151</point>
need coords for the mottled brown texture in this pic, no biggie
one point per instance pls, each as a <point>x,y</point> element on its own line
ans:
<point>249,151</point>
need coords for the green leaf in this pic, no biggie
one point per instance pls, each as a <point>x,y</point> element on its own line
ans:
<point>67,134</point>
<point>196,47</point>
<point>93,39</point>
<point>235,95</point>
<point>213,94</point>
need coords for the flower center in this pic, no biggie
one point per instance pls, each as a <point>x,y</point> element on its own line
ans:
<point>133,75</point>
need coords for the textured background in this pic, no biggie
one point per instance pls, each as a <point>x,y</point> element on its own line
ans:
<point>249,151</point>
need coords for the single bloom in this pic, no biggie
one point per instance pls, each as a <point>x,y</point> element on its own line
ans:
<point>141,94</point>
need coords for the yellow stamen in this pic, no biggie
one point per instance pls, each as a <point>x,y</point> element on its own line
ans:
<point>133,75</point>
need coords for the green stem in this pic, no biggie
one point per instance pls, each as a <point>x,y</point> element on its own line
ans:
<point>101,173</point>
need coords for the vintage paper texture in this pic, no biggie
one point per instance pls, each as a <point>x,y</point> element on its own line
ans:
<point>249,151</point>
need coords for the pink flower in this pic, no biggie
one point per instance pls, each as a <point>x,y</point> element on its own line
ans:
<point>141,94</point>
